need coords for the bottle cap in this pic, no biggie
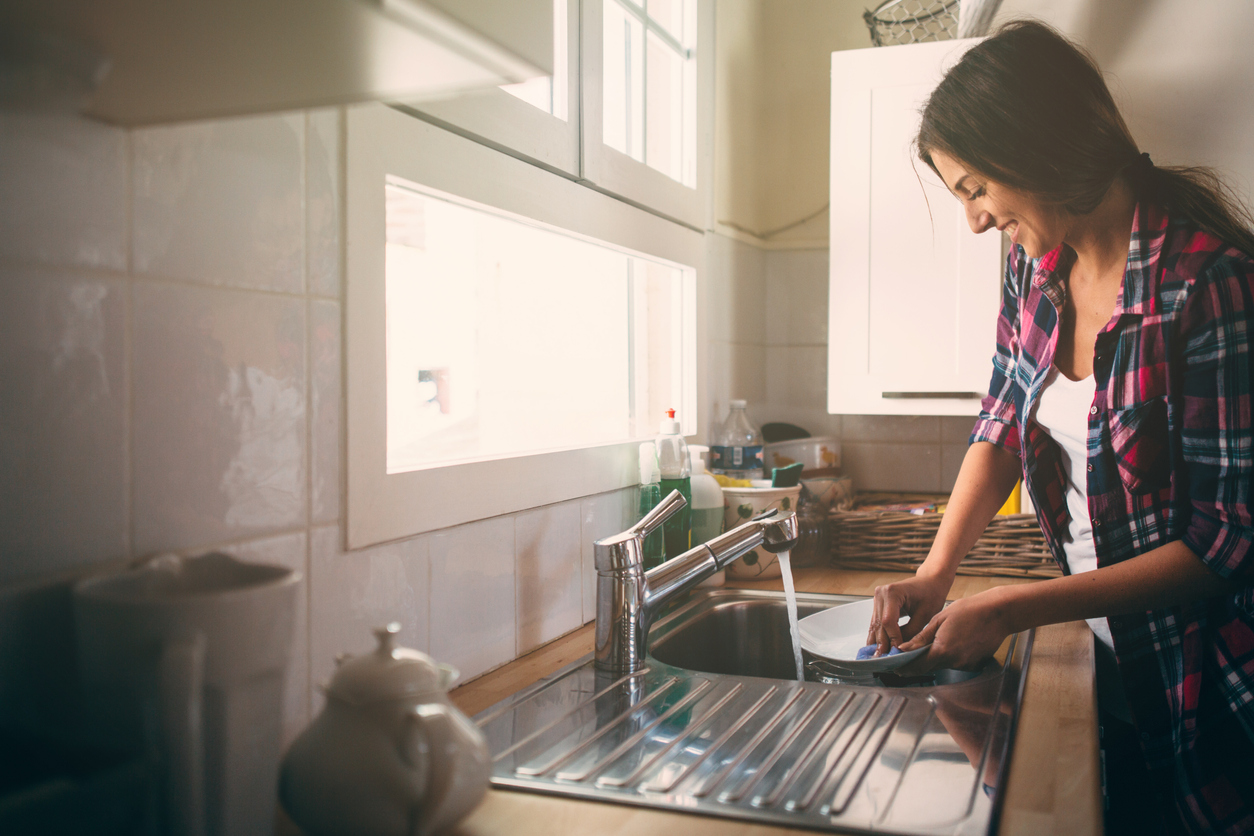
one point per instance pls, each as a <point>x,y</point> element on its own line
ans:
<point>695,452</point>
<point>669,425</point>
<point>737,404</point>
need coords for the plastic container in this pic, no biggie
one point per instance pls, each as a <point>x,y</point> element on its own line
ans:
<point>814,453</point>
<point>650,496</point>
<point>707,507</point>
<point>737,448</point>
<point>676,470</point>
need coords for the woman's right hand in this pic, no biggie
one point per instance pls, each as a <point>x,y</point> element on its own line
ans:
<point>920,597</point>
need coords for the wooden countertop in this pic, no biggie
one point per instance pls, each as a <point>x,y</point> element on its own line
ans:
<point>1053,785</point>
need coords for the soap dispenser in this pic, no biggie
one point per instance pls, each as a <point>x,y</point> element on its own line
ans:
<point>672,457</point>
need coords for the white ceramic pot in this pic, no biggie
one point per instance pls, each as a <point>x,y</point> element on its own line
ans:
<point>739,504</point>
<point>389,755</point>
<point>185,657</point>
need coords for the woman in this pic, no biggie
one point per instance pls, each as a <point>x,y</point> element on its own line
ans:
<point>1123,394</point>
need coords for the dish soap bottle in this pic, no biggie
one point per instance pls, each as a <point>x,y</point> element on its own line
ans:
<point>672,458</point>
<point>707,499</point>
<point>737,450</point>
<point>650,496</point>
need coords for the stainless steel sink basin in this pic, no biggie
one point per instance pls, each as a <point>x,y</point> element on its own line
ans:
<point>716,723</point>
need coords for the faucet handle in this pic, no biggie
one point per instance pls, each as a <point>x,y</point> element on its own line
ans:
<point>625,551</point>
<point>662,512</point>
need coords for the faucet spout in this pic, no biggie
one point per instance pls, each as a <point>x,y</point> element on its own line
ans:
<point>628,598</point>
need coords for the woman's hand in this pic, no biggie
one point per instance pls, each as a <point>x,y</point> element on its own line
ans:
<point>920,597</point>
<point>962,635</point>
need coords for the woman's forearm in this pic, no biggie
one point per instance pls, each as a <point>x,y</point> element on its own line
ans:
<point>987,476</point>
<point>1170,575</point>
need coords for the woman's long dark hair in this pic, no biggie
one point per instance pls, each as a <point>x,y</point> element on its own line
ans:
<point>1029,109</point>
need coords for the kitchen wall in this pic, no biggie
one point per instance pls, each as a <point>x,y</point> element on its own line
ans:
<point>171,369</point>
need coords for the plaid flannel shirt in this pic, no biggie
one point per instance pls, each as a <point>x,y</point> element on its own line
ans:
<point>1169,458</point>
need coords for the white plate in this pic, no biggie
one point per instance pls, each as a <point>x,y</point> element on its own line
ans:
<point>837,634</point>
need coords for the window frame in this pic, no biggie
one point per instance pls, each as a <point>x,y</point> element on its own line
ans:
<point>616,172</point>
<point>381,140</point>
<point>509,124</point>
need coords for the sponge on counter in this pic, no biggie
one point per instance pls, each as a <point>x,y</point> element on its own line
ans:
<point>786,477</point>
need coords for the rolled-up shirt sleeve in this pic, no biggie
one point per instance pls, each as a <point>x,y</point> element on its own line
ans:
<point>1217,424</point>
<point>998,421</point>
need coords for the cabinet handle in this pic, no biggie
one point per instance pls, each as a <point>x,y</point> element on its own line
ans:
<point>949,396</point>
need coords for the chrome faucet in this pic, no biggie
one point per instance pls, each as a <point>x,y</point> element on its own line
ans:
<point>628,597</point>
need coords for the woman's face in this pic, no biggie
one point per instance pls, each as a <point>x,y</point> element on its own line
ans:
<point>991,205</point>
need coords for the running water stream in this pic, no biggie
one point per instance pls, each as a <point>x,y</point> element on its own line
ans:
<point>790,595</point>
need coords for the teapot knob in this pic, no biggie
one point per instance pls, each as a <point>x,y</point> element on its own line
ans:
<point>387,637</point>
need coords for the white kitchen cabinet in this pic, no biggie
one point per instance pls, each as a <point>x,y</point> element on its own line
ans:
<point>913,292</point>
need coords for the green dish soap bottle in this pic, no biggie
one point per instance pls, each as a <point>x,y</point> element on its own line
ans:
<point>650,496</point>
<point>672,458</point>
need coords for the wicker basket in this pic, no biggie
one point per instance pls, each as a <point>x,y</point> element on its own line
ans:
<point>896,541</point>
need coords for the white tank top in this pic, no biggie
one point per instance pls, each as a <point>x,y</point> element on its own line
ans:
<point>1063,412</point>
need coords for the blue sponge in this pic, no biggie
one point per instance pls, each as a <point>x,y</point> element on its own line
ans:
<point>868,652</point>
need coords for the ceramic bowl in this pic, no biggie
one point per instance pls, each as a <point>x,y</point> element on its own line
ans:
<point>739,504</point>
<point>837,634</point>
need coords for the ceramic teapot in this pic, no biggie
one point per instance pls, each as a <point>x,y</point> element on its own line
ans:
<point>389,755</point>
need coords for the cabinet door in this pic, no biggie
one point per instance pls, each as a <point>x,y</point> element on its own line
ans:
<point>913,292</point>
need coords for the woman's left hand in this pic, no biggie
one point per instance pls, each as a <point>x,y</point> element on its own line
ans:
<point>962,635</point>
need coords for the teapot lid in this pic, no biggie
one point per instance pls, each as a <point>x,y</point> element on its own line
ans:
<point>389,673</point>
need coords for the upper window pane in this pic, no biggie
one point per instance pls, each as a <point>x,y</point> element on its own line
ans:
<point>505,337</point>
<point>649,84</point>
<point>549,93</point>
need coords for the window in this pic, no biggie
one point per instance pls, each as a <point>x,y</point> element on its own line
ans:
<point>649,105</point>
<point>627,110</point>
<point>506,336</point>
<point>470,276</point>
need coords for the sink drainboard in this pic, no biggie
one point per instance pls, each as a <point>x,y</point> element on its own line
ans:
<point>836,757</point>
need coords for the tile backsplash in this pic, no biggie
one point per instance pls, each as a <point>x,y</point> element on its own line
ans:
<point>171,369</point>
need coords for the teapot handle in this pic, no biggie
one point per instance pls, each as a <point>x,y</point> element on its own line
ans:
<point>428,731</point>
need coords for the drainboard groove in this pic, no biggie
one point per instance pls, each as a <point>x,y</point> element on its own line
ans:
<point>483,721</point>
<point>875,733</point>
<point>665,782</point>
<point>564,751</point>
<point>899,742</point>
<point>781,776</point>
<point>706,785</point>
<point>610,779</point>
<point>593,761</point>
<point>750,776</point>
<point>835,750</point>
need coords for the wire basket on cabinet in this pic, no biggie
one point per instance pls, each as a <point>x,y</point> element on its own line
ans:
<point>912,21</point>
<point>898,541</point>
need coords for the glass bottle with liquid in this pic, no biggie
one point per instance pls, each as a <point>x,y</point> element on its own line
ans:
<point>650,496</point>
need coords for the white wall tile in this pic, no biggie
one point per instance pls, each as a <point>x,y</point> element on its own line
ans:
<point>736,290</point>
<point>290,551</point>
<point>352,593</point>
<point>219,412</point>
<point>63,396</point>
<point>891,428</point>
<point>325,408</point>
<point>472,595</point>
<point>602,516</point>
<point>222,202</point>
<point>892,467</point>
<point>323,193</point>
<point>796,297</point>
<point>63,188</point>
<point>549,579</point>
<point>796,376</point>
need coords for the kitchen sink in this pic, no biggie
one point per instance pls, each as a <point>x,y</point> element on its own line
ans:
<point>717,723</point>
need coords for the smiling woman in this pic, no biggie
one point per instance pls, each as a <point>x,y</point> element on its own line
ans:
<point>1122,389</point>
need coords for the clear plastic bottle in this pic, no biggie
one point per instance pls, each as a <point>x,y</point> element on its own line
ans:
<point>707,500</point>
<point>737,448</point>
<point>650,496</point>
<point>676,470</point>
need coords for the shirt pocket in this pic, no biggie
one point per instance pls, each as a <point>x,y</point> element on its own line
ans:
<point>1139,441</point>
